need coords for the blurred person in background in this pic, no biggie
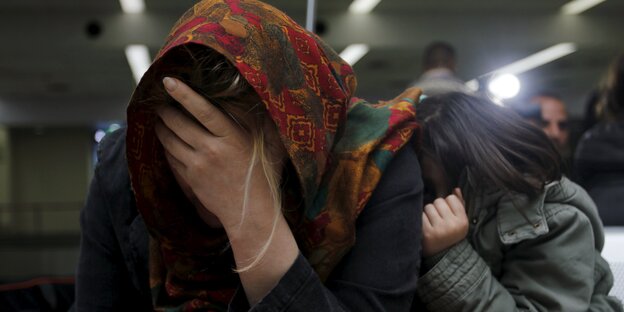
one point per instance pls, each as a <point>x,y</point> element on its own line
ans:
<point>599,157</point>
<point>503,230</point>
<point>249,177</point>
<point>439,63</point>
<point>554,119</point>
<point>554,122</point>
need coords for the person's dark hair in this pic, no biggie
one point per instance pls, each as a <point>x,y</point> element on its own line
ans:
<point>465,133</point>
<point>439,54</point>
<point>611,105</point>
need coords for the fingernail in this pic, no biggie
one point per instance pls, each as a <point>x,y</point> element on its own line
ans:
<point>170,84</point>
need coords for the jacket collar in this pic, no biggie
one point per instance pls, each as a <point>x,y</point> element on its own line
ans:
<point>519,217</point>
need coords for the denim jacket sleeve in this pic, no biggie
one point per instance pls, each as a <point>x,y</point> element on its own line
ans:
<point>103,280</point>
<point>380,272</point>
<point>107,279</point>
<point>556,271</point>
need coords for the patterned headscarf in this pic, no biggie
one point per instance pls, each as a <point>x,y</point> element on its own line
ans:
<point>339,147</point>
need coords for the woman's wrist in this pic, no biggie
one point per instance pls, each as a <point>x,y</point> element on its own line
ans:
<point>254,220</point>
<point>247,243</point>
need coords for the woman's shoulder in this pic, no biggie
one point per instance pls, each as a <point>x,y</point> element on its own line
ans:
<point>112,148</point>
<point>113,181</point>
<point>111,172</point>
<point>401,176</point>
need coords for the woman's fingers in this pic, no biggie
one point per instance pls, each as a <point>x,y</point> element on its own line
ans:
<point>205,112</point>
<point>177,166</point>
<point>182,125</point>
<point>172,144</point>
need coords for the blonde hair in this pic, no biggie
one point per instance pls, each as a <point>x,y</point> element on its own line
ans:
<point>212,76</point>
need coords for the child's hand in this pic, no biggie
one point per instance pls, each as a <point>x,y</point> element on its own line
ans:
<point>445,223</point>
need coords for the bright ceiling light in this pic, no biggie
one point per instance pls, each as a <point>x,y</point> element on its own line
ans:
<point>532,61</point>
<point>354,53</point>
<point>132,6</point>
<point>138,59</point>
<point>504,86</point>
<point>363,6</point>
<point>577,6</point>
<point>538,59</point>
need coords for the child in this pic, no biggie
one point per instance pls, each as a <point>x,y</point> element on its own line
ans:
<point>507,232</point>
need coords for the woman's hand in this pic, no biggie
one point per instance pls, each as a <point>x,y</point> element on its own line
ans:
<point>445,223</point>
<point>210,156</point>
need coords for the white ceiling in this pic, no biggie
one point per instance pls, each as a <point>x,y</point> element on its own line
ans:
<point>52,72</point>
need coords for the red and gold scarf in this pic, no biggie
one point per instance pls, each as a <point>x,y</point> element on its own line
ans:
<point>339,147</point>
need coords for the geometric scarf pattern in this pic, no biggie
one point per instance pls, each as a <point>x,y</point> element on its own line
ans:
<point>338,145</point>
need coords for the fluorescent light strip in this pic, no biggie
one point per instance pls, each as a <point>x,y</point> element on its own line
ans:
<point>138,59</point>
<point>132,6</point>
<point>577,6</point>
<point>535,60</point>
<point>363,6</point>
<point>538,59</point>
<point>354,53</point>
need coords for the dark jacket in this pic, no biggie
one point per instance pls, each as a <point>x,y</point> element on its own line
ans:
<point>599,168</point>
<point>379,273</point>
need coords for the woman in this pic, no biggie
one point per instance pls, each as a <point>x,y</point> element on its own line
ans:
<point>599,159</point>
<point>253,171</point>
<point>502,229</point>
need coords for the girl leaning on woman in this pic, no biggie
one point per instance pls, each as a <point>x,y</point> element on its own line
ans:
<point>503,230</point>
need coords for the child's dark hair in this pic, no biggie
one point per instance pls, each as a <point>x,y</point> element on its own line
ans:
<point>495,145</point>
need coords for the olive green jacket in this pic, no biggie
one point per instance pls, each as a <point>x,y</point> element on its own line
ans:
<point>524,255</point>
